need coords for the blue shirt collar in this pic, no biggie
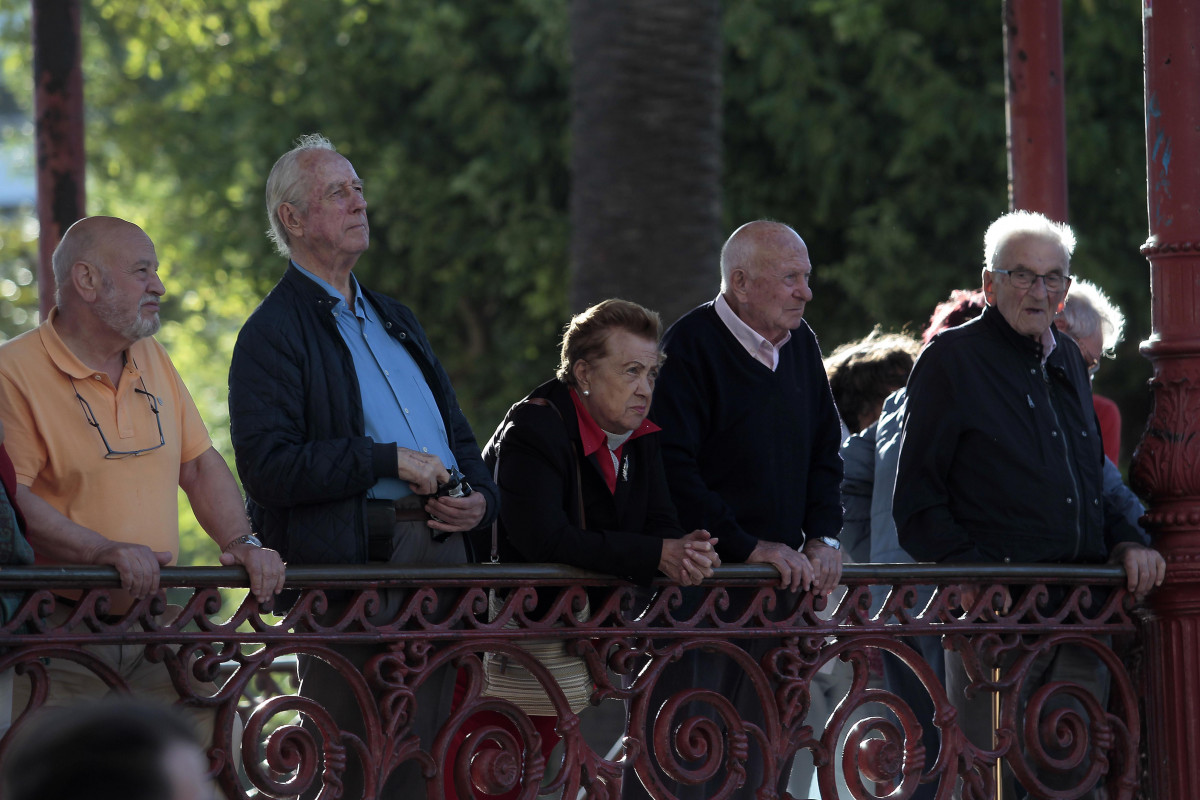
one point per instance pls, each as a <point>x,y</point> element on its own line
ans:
<point>359,303</point>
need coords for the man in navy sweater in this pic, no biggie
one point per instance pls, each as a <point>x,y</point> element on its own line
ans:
<point>750,438</point>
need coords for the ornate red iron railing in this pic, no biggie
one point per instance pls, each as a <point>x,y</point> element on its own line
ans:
<point>872,739</point>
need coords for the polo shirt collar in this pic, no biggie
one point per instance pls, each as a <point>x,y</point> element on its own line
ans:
<point>62,356</point>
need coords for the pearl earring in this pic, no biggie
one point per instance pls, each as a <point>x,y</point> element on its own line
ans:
<point>586,393</point>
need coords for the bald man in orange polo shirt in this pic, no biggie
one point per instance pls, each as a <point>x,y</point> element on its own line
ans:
<point>103,432</point>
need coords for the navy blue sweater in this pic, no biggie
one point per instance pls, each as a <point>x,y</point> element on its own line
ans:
<point>750,454</point>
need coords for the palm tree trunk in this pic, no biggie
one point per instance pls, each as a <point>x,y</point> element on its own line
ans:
<point>646,155</point>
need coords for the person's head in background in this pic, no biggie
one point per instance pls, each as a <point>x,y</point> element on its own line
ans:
<point>962,306</point>
<point>863,373</point>
<point>117,749</point>
<point>1093,321</point>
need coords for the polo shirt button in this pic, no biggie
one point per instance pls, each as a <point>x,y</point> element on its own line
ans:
<point>97,377</point>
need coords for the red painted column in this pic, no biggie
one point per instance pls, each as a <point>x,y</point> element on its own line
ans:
<point>1037,127</point>
<point>1166,467</point>
<point>58,117</point>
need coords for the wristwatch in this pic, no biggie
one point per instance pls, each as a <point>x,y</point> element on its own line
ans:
<point>828,541</point>
<point>248,538</point>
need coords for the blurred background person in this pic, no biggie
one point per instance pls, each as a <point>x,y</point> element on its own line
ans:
<point>114,749</point>
<point>580,473</point>
<point>870,457</point>
<point>1097,326</point>
<point>861,374</point>
<point>14,550</point>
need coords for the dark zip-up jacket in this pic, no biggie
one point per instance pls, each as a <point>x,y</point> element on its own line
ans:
<point>296,419</point>
<point>543,478</point>
<point>1001,458</point>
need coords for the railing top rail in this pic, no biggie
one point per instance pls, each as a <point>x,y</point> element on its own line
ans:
<point>13,578</point>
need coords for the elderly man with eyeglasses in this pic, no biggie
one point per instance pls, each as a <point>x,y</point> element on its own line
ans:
<point>103,433</point>
<point>1001,460</point>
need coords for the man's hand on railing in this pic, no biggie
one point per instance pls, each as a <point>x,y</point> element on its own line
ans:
<point>137,565</point>
<point>1144,566</point>
<point>264,567</point>
<point>827,566</point>
<point>795,570</point>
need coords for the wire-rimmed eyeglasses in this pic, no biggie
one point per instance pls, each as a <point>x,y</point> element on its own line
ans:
<point>91,420</point>
<point>1026,278</point>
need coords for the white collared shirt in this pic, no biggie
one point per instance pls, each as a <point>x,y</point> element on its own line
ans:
<point>758,347</point>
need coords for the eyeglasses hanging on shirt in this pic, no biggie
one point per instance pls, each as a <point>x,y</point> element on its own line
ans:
<point>91,420</point>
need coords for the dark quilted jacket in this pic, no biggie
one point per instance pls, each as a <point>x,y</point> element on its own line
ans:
<point>297,424</point>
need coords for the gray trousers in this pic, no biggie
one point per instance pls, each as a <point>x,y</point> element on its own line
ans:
<point>328,686</point>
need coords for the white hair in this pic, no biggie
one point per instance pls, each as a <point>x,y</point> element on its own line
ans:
<point>1088,310</point>
<point>287,183</point>
<point>1016,224</point>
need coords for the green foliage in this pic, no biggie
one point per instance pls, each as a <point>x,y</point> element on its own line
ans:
<point>455,114</point>
<point>874,126</point>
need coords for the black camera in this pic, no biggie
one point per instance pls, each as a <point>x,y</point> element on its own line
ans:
<point>456,486</point>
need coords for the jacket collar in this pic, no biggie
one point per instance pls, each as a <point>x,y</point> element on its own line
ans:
<point>994,320</point>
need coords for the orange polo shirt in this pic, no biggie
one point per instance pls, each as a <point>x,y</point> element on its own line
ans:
<point>61,458</point>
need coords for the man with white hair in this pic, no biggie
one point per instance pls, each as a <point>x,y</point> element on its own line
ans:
<point>1001,459</point>
<point>346,431</point>
<point>750,445</point>
<point>1097,326</point>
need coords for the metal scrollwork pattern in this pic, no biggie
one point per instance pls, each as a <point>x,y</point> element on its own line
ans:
<point>645,650</point>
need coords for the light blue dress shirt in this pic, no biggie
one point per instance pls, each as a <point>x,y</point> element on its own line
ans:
<point>398,405</point>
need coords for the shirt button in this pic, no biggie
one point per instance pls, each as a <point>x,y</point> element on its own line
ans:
<point>1096,501</point>
<point>406,411</point>
<point>1054,433</point>
<point>424,449</point>
<point>387,374</point>
<point>1083,434</point>
<point>97,377</point>
<point>1070,501</point>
